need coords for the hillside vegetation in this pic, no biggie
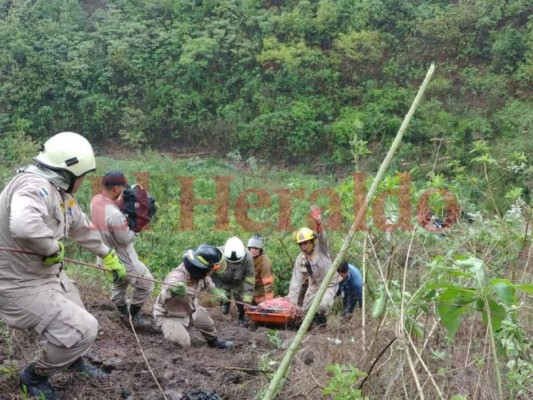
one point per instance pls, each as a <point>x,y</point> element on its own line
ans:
<point>287,80</point>
<point>453,304</point>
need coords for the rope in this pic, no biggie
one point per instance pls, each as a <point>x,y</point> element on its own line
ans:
<point>96,266</point>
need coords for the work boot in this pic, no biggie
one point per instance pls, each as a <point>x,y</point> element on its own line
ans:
<point>220,343</point>
<point>140,322</point>
<point>319,321</point>
<point>240,309</point>
<point>123,310</point>
<point>36,385</point>
<point>224,307</point>
<point>83,366</point>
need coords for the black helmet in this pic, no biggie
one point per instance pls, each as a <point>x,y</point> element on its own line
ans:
<point>200,261</point>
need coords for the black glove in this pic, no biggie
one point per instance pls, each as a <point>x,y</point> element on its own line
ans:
<point>309,268</point>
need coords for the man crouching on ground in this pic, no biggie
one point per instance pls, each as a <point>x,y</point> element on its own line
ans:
<point>177,305</point>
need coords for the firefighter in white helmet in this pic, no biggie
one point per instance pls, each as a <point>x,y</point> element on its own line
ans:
<point>236,275</point>
<point>37,211</point>
<point>312,265</point>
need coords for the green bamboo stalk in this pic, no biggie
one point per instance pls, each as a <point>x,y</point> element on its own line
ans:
<point>279,377</point>
<point>363,313</point>
<point>494,353</point>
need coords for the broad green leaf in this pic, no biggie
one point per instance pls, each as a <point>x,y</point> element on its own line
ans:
<point>475,264</point>
<point>452,305</point>
<point>504,290</point>
<point>456,273</point>
<point>497,314</point>
<point>451,318</point>
<point>528,288</point>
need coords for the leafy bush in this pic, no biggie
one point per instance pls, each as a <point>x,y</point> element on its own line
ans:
<point>16,149</point>
<point>256,78</point>
<point>342,385</point>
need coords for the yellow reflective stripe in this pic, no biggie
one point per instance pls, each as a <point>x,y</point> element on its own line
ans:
<point>250,280</point>
<point>203,260</point>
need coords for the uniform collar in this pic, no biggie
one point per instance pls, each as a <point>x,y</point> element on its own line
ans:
<point>59,179</point>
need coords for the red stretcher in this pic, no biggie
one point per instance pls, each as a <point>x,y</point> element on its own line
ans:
<point>277,311</point>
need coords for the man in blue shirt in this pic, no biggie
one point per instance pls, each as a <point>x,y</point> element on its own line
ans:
<point>350,288</point>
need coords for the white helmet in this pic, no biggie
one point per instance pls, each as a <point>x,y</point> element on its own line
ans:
<point>67,151</point>
<point>234,250</point>
<point>256,241</point>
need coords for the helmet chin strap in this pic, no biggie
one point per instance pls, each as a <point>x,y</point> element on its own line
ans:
<point>72,182</point>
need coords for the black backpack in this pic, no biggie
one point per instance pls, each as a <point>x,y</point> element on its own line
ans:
<point>138,205</point>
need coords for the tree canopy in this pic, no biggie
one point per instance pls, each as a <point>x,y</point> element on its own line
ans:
<point>278,79</point>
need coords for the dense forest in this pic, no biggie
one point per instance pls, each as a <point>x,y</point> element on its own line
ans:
<point>288,80</point>
<point>297,101</point>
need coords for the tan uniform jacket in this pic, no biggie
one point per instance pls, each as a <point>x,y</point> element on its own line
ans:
<point>183,308</point>
<point>320,262</point>
<point>264,279</point>
<point>113,227</point>
<point>34,215</point>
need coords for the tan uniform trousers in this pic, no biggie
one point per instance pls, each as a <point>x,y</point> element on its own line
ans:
<point>175,329</point>
<point>325,304</point>
<point>65,327</point>
<point>141,288</point>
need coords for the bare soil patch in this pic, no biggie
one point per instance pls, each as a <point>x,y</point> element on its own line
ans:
<point>239,373</point>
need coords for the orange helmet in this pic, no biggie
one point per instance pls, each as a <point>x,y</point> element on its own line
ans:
<point>303,235</point>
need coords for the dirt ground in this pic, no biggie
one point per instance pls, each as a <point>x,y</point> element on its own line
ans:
<point>145,366</point>
<point>240,373</point>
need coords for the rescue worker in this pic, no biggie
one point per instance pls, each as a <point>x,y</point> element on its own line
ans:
<point>37,211</point>
<point>113,227</point>
<point>236,276</point>
<point>350,288</point>
<point>312,264</point>
<point>177,305</point>
<point>264,279</point>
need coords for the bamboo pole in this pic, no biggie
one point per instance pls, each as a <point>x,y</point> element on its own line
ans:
<point>363,313</point>
<point>277,381</point>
